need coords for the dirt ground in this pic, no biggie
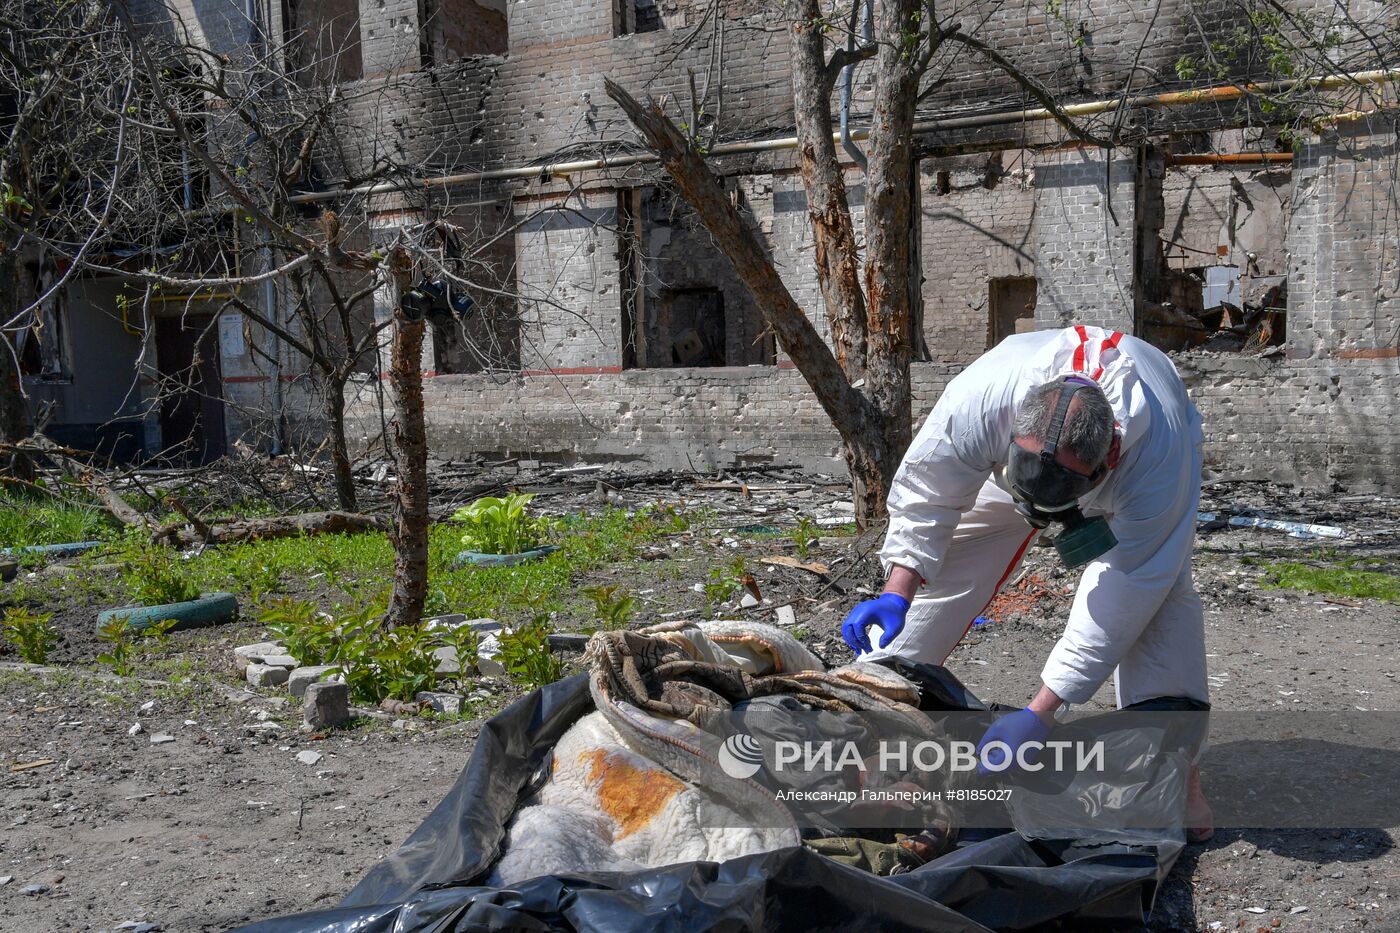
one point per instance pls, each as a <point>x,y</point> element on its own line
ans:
<point>224,825</point>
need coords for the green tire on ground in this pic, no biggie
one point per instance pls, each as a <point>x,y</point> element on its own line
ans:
<point>504,560</point>
<point>213,609</point>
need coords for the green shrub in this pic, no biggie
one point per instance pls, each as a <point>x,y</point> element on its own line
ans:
<point>466,641</point>
<point>29,632</point>
<point>501,525</point>
<point>121,637</point>
<point>155,575</point>
<point>724,582</point>
<point>308,636</point>
<point>526,656</point>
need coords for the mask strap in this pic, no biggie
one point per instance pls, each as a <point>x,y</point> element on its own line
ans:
<point>1057,422</point>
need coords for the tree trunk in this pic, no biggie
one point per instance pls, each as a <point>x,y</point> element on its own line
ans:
<point>850,412</point>
<point>14,414</point>
<point>888,202</point>
<point>334,390</point>
<point>410,531</point>
<point>838,263</point>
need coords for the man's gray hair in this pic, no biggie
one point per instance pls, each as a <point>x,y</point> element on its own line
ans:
<point>1088,428</point>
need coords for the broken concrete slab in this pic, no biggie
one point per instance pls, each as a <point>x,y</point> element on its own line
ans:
<point>326,705</point>
<point>265,675</point>
<point>244,655</point>
<point>162,738</point>
<point>303,677</point>
<point>309,757</point>
<point>281,660</point>
<point>786,615</point>
<point>449,703</point>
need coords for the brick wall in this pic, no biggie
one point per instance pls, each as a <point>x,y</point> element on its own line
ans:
<point>1344,289</point>
<point>972,234</point>
<point>568,280</point>
<point>1083,231</point>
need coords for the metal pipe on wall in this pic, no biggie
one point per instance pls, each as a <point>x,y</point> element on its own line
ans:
<point>1089,108</point>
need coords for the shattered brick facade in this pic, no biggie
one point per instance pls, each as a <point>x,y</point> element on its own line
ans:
<point>1018,227</point>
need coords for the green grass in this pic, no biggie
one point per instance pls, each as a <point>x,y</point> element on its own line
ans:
<point>1341,579</point>
<point>341,571</point>
<point>27,520</point>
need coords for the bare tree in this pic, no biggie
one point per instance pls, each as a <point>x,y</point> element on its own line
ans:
<point>66,141</point>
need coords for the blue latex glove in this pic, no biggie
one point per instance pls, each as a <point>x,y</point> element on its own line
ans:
<point>1015,729</point>
<point>887,611</point>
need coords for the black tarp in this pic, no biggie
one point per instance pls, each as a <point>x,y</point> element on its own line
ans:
<point>1006,882</point>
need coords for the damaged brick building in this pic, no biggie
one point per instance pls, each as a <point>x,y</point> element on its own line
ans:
<point>609,326</point>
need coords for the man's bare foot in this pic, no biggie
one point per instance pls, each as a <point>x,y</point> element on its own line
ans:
<point>1200,821</point>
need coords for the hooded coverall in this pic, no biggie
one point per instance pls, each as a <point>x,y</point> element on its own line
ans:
<point>952,522</point>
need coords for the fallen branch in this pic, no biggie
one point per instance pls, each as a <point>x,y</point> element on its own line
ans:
<point>233,530</point>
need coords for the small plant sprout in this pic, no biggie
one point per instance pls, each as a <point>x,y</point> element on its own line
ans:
<point>612,608</point>
<point>804,536</point>
<point>724,582</point>
<point>30,633</point>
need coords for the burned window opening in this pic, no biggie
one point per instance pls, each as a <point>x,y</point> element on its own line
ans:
<point>682,305</point>
<point>1212,264</point>
<point>1011,307</point>
<point>323,41</point>
<point>452,30</point>
<point>42,344</point>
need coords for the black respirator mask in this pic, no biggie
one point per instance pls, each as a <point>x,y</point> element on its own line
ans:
<point>1045,491</point>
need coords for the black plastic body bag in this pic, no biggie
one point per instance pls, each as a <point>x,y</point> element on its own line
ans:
<point>1002,883</point>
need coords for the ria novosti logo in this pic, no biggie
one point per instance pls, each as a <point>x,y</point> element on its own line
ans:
<point>740,756</point>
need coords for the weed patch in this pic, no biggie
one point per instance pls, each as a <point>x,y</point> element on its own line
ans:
<point>26,521</point>
<point>1343,579</point>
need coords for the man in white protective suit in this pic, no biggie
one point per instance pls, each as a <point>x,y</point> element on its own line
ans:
<point>1084,428</point>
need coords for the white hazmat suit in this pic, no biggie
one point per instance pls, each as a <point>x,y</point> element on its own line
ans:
<point>952,522</point>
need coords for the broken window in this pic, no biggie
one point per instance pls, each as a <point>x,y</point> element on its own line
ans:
<point>42,343</point>
<point>1221,257</point>
<point>483,333</point>
<point>630,16</point>
<point>456,29</point>
<point>323,41</point>
<point>682,303</point>
<point>1011,300</point>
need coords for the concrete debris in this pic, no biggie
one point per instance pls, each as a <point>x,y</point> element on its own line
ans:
<point>749,601</point>
<point>136,729</point>
<point>138,926</point>
<point>309,757</point>
<point>280,660</point>
<point>6,879</point>
<point>326,705</point>
<point>303,677</point>
<point>244,655</point>
<point>446,661</point>
<point>449,703</point>
<point>487,652</point>
<point>33,890</point>
<point>161,738</point>
<point>263,675</point>
<point>786,615</point>
<point>148,706</point>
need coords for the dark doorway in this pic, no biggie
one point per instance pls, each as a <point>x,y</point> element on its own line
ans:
<point>192,404</point>
<point>691,326</point>
<point>1012,301</point>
